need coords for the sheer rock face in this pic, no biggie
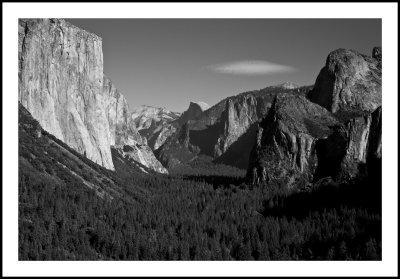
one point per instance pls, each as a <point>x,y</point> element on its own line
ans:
<point>349,151</point>
<point>125,138</point>
<point>122,128</point>
<point>349,82</point>
<point>285,148</point>
<point>60,83</point>
<point>160,134</point>
<point>300,141</point>
<point>236,118</point>
<point>375,135</point>
<point>195,109</point>
<point>358,106</point>
<point>155,124</point>
<point>362,136</point>
<point>177,149</point>
<point>226,130</point>
<point>214,131</point>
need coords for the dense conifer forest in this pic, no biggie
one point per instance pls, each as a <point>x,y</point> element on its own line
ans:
<point>203,211</point>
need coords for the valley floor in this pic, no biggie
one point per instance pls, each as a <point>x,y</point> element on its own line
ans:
<point>203,213</point>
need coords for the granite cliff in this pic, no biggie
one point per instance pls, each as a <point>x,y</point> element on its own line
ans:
<point>177,149</point>
<point>349,82</point>
<point>122,128</point>
<point>337,133</point>
<point>126,140</point>
<point>195,109</point>
<point>285,148</point>
<point>61,83</point>
<point>154,124</point>
<point>226,131</point>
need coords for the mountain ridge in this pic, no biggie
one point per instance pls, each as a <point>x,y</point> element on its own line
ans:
<point>295,149</point>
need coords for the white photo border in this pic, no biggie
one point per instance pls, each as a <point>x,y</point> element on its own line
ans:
<point>386,11</point>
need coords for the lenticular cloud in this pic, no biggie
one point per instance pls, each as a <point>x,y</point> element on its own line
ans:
<point>251,67</point>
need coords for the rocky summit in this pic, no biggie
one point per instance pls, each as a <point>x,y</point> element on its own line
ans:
<point>285,145</point>
<point>226,131</point>
<point>195,109</point>
<point>337,133</point>
<point>349,82</point>
<point>61,83</point>
<point>154,124</point>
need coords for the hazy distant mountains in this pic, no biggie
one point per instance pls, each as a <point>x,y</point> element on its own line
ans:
<point>154,124</point>
<point>146,116</point>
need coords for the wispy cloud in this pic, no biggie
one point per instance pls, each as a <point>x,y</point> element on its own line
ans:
<point>251,68</point>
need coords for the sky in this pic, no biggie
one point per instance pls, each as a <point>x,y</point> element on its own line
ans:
<point>171,62</point>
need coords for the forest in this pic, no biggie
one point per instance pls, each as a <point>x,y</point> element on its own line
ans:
<point>203,211</point>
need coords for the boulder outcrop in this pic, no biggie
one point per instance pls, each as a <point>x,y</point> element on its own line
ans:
<point>349,82</point>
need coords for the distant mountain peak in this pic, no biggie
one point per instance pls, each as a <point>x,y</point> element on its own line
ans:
<point>204,106</point>
<point>144,115</point>
<point>287,85</point>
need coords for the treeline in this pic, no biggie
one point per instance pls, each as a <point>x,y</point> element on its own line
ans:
<point>187,220</point>
<point>202,211</point>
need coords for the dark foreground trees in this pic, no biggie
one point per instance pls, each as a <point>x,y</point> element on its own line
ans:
<point>203,211</point>
<point>190,219</point>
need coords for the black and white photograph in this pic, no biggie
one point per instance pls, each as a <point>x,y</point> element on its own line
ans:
<point>221,140</point>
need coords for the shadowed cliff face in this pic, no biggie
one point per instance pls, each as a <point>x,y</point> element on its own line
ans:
<point>300,142</point>
<point>286,141</point>
<point>193,112</point>
<point>225,131</point>
<point>177,149</point>
<point>60,83</point>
